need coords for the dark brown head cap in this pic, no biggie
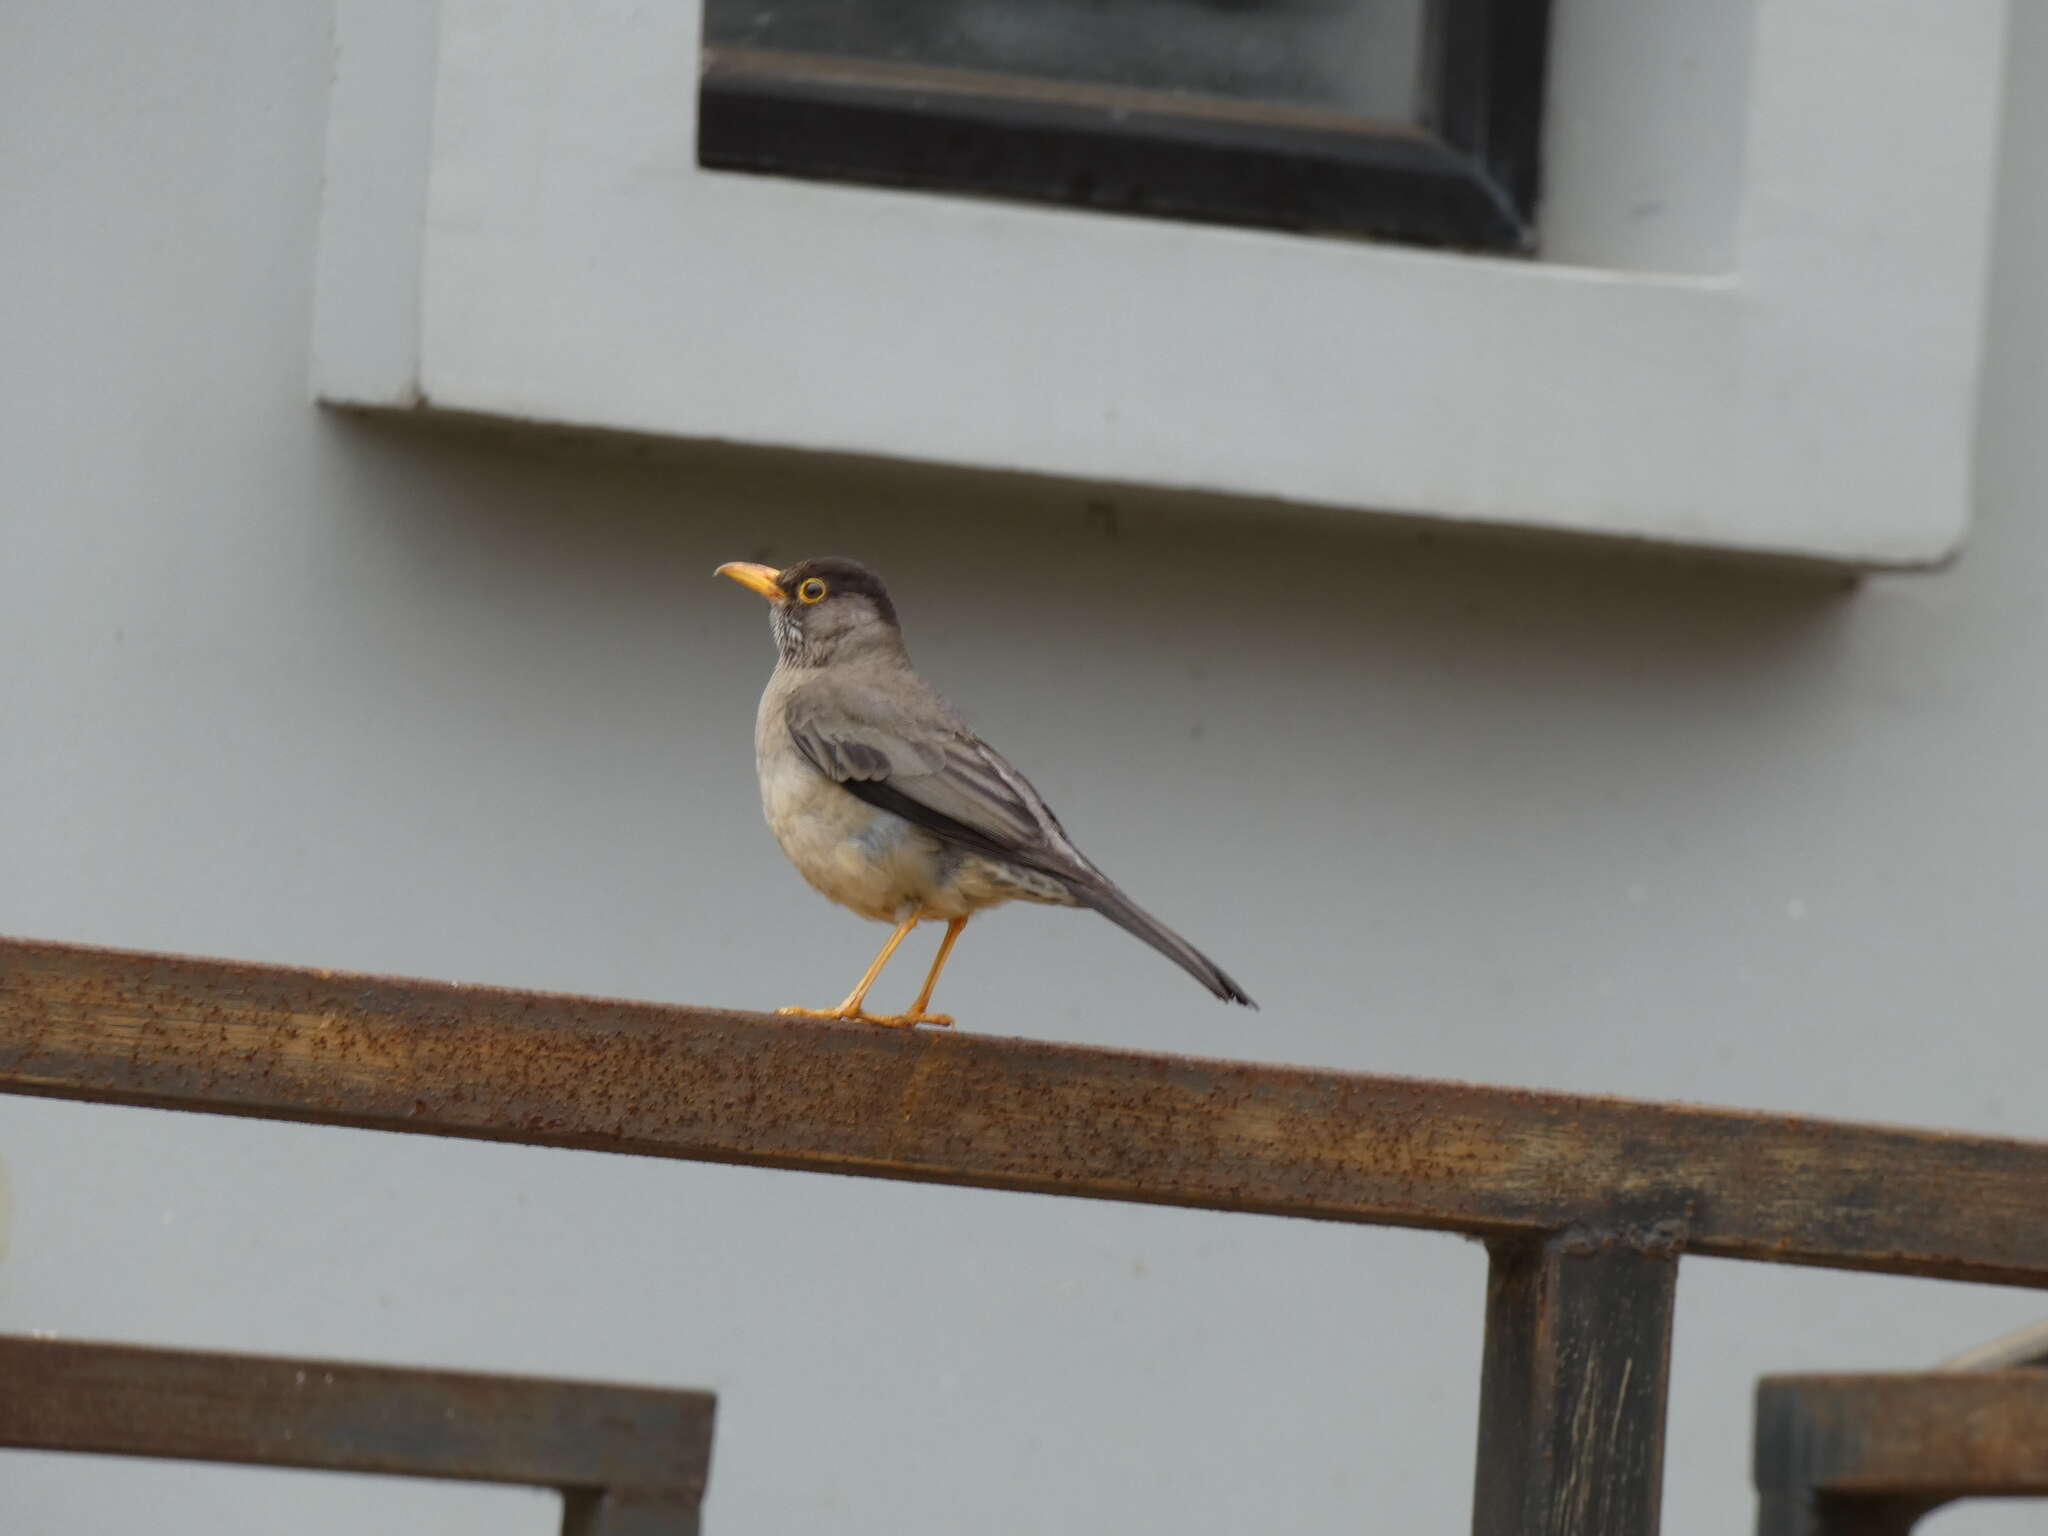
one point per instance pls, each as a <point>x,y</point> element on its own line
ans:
<point>842,578</point>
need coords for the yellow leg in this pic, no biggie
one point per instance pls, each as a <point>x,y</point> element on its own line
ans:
<point>917,1014</point>
<point>850,1009</point>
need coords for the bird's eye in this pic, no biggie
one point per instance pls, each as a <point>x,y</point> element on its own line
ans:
<point>812,591</point>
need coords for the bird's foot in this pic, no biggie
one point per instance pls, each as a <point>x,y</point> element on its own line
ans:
<point>845,1015</point>
<point>908,1020</point>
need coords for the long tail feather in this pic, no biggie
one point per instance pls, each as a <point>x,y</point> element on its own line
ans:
<point>1121,910</point>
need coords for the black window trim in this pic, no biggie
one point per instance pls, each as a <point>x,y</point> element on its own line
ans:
<point>1469,177</point>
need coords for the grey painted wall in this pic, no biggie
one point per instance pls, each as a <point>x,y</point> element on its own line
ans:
<point>280,685</point>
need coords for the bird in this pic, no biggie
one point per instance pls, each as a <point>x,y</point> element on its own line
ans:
<point>886,800</point>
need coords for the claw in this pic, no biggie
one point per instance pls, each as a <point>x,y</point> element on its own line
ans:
<point>845,1015</point>
<point>908,1020</point>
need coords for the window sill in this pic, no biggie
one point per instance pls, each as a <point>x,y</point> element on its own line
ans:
<point>515,224</point>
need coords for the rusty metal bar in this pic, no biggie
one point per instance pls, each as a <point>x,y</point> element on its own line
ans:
<point>1573,1382</point>
<point>1870,1454</point>
<point>957,1108</point>
<point>629,1461</point>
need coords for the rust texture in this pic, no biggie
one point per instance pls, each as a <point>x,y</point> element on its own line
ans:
<point>631,1461</point>
<point>1874,1453</point>
<point>958,1108</point>
<point>1573,1382</point>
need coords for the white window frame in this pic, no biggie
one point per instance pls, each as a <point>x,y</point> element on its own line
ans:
<point>514,223</point>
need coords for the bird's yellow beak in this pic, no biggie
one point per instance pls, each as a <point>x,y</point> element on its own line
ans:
<point>761,578</point>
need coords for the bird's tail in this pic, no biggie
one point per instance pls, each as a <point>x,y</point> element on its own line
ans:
<point>1121,910</point>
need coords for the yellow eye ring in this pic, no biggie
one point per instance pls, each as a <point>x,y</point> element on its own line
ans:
<point>812,591</point>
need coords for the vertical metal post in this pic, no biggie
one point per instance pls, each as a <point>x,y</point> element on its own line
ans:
<point>1573,1384</point>
<point>626,1512</point>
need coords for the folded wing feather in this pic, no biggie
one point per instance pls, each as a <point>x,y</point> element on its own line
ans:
<point>914,756</point>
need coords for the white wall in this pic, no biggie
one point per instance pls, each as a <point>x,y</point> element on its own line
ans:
<point>280,685</point>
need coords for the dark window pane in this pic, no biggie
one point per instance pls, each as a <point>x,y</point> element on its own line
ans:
<point>1404,119</point>
<point>1362,57</point>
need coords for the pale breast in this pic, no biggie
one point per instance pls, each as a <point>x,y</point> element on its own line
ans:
<point>867,859</point>
<point>871,861</point>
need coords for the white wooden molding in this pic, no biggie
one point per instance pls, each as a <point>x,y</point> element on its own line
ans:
<point>515,224</point>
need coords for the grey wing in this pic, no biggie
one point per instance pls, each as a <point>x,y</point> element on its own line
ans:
<point>904,750</point>
<point>899,747</point>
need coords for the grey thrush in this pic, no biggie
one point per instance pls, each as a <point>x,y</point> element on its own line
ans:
<point>886,800</point>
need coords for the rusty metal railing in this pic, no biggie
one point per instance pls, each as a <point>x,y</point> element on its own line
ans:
<point>628,1461</point>
<point>1586,1203</point>
<point>1873,1453</point>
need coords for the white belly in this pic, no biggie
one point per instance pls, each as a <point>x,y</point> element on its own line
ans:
<point>871,861</point>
